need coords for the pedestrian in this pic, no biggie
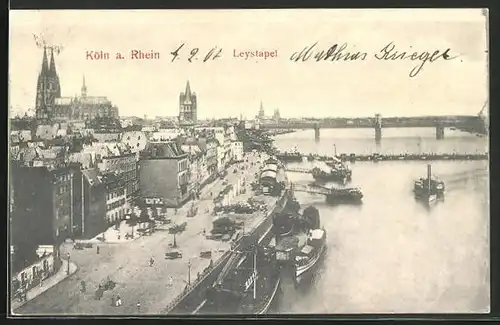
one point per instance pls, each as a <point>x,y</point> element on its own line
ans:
<point>138,307</point>
<point>97,249</point>
<point>113,301</point>
<point>170,281</point>
<point>118,301</point>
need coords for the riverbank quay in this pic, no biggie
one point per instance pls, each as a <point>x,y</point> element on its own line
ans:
<point>127,264</point>
<point>299,157</point>
<point>257,226</point>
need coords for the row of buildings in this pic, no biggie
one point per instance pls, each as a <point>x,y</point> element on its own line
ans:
<point>76,171</point>
<point>77,185</point>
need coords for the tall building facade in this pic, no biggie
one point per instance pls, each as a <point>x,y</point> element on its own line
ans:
<point>188,106</point>
<point>51,106</point>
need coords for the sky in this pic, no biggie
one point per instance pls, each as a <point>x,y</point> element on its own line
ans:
<point>230,87</point>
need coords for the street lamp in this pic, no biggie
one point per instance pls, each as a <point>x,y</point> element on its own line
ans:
<point>335,150</point>
<point>68,263</point>
<point>175,243</point>
<point>189,272</point>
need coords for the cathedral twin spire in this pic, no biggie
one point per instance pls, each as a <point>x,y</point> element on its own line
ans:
<point>48,87</point>
<point>48,71</point>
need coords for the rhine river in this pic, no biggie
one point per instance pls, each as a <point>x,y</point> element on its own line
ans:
<point>392,254</point>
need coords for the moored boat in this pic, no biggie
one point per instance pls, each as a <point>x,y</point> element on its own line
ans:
<point>249,286</point>
<point>336,174</point>
<point>300,246</point>
<point>428,189</point>
<point>345,195</point>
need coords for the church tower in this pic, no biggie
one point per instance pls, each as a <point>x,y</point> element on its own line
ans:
<point>276,116</point>
<point>48,88</point>
<point>262,114</point>
<point>84,88</point>
<point>188,106</point>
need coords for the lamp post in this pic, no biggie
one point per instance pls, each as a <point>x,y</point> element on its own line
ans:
<point>69,256</point>
<point>189,272</point>
<point>334,150</point>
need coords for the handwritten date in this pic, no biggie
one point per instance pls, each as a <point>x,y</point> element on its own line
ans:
<point>182,52</point>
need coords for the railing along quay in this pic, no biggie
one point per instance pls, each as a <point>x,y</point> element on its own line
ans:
<point>298,157</point>
<point>224,257</point>
<point>194,284</point>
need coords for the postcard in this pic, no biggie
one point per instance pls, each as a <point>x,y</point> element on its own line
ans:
<point>244,162</point>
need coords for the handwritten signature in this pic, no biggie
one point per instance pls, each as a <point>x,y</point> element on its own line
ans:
<point>338,52</point>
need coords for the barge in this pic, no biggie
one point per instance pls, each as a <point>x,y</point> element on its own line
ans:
<point>345,196</point>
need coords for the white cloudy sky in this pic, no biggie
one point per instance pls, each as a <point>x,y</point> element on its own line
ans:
<point>229,86</point>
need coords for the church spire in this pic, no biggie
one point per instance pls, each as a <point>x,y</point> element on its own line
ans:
<point>45,64</point>
<point>84,88</point>
<point>261,110</point>
<point>52,68</point>
<point>188,90</point>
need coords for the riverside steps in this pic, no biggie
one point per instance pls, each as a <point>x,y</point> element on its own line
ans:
<point>299,157</point>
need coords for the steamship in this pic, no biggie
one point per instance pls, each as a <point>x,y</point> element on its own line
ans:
<point>428,189</point>
<point>248,284</point>
<point>300,243</point>
<point>337,172</point>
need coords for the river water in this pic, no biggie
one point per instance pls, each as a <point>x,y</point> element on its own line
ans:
<point>392,254</point>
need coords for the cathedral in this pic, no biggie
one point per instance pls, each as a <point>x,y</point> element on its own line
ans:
<point>51,106</point>
<point>187,106</point>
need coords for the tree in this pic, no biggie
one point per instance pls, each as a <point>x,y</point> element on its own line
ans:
<point>223,225</point>
<point>132,221</point>
<point>154,212</point>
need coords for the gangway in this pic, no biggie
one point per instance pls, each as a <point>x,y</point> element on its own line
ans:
<point>312,189</point>
<point>333,195</point>
<point>299,170</point>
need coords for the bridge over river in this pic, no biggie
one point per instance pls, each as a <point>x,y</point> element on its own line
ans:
<point>472,124</point>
